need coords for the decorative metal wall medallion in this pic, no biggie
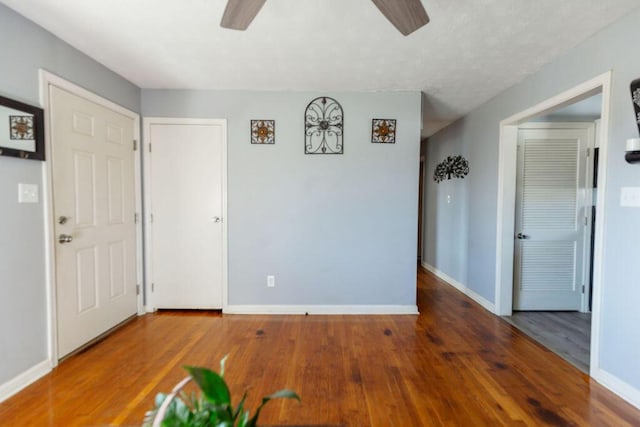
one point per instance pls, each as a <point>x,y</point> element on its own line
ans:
<point>451,167</point>
<point>263,131</point>
<point>323,124</point>
<point>383,131</point>
<point>21,127</point>
<point>635,97</point>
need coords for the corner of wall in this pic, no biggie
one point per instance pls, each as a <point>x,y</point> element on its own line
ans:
<point>24,379</point>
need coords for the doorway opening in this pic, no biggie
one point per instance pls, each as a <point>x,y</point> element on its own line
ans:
<point>552,258</point>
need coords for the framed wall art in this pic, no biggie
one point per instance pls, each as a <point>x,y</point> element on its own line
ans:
<point>21,130</point>
<point>383,131</point>
<point>263,131</point>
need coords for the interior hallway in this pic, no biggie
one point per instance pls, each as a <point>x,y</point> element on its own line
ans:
<point>454,364</point>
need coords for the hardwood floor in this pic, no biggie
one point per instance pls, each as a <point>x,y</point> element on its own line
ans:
<point>455,364</point>
<point>566,333</point>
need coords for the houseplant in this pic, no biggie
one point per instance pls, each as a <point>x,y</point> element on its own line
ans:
<point>210,407</point>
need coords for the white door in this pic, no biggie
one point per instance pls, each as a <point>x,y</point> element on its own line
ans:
<point>551,218</point>
<point>94,207</point>
<point>186,177</point>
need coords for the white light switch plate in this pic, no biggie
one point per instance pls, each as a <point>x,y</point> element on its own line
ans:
<point>27,193</point>
<point>630,197</point>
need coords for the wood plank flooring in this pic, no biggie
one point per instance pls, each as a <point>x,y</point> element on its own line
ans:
<point>566,333</point>
<point>455,364</point>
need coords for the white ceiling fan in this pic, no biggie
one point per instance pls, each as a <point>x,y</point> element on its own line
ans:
<point>406,15</point>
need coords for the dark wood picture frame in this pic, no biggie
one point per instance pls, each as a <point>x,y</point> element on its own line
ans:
<point>9,144</point>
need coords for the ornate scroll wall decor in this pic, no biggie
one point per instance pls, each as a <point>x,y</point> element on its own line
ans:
<point>451,167</point>
<point>263,131</point>
<point>323,126</point>
<point>383,131</point>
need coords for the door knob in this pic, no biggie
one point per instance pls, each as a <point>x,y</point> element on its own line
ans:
<point>216,219</point>
<point>522,236</point>
<point>63,220</point>
<point>65,238</point>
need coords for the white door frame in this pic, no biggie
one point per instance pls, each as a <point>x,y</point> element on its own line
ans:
<point>46,79</point>
<point>507,166</point>
<point>148,235</point>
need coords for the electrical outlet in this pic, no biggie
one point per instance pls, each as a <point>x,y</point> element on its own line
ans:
<point>271,281</point>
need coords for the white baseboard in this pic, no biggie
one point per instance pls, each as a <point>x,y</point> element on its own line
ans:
<point>29,376</point>
<point>485,303</point>
<point>320,309</point>
<point>616,385</point>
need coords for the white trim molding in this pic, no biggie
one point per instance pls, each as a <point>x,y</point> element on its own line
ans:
<point>23,380</point>
<point>616,385</point>
<point>484,303</point>
<point>506,202</point>
<point>507,187</point>
<point>322,309</point>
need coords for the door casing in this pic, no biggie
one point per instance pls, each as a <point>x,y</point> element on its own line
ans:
<point>147,122</point>
<point>47,79</point>
<point>505,223</point>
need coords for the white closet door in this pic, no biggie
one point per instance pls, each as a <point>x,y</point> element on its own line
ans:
<point>186,207</point>
<point>550,219</point>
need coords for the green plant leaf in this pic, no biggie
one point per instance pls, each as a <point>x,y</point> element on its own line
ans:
<point>240,407</point>
<point>222,362</point>
<point>244,419</point>
<point>212,385</point>
<point>281,394</point>
<point>212,406</point>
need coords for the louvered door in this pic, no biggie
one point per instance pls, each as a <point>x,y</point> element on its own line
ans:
<point>550,212</point>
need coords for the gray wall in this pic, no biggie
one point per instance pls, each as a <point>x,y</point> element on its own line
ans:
<point>587,110</point>
<point>476,137</point>
<point>24,48</point>
<point>333,229</point>
<point>445,226</point>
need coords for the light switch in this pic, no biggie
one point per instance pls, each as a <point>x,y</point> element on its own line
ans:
<point>630,197</point>
<point>27,193</point>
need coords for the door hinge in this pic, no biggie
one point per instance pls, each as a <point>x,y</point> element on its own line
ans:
<point>153,287</point>
<point>586,221</point>
<point>588,152</point>
<point>135,145</point>
<point>149,147</point>
<point>583,289</point>
<point>135,218</point>
<point>151,218</point>
<point>137,289</point>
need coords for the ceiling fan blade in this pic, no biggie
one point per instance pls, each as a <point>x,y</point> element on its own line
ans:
<point>406,15</point>
<point>239,13</point>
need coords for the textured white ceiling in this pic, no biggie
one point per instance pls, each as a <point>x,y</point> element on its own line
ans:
<point>469,52</point>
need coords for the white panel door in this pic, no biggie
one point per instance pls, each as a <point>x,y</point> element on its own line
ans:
<point>186,208</point>
<point>550,219</point>
<point>94,208</point>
